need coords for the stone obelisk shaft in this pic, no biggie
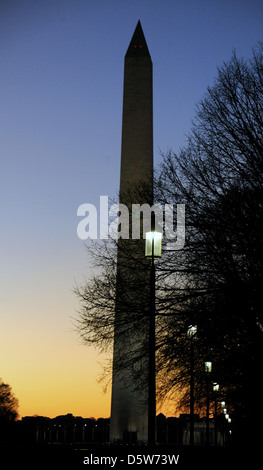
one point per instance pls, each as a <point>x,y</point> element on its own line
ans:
<point>137,120</point>
<point>129,408</point>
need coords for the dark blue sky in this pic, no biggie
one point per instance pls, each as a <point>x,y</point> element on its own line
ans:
<point>61,77</point>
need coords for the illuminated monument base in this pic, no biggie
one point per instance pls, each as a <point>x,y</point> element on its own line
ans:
<point>129,414</point>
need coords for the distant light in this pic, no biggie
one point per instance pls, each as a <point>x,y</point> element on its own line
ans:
<point>191,331</point>
<point>226,416</point>
<point>223,403</point>
<point>215,387</point>
<point>208,366</point>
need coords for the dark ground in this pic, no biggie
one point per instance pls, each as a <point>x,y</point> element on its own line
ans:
<point>94,456</point>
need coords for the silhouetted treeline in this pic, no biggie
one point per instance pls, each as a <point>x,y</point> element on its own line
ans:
<point>67,430</point>
<point>64,429</point>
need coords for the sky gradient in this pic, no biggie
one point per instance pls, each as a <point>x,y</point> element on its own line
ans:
<point>61,78</point>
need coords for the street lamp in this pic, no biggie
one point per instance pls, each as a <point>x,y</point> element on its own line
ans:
<point>153,250</point>
<point>223,406</point>
<point>208,366</point>
<point>153,245</point>
<point>191,332</point>
<point>208,370</point>
<point>215,390</point>
<point>215,387</point>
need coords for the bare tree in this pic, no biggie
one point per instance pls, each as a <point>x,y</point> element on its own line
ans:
<point>8,404</point>
<point>215,281</point>
<point>220,179</point>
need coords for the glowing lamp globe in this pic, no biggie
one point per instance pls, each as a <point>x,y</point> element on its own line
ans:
<point>153,245</point>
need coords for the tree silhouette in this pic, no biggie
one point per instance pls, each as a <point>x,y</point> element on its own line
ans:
<point>220,179</point>
<point>215,281</point>
<point>8,404</point>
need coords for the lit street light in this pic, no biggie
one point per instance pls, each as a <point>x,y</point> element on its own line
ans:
<point>191,332</point>
<point>215,390</point>
<point>215,387</point>
<point>208,370</point>
<point>153,250</point>
<point>208,366</point>
<point>153,245</point>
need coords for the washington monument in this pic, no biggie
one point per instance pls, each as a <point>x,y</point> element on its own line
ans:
<point>129,406</point>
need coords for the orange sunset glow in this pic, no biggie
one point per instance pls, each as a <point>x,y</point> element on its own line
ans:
<point>61,117</point>
<point>49,370</point>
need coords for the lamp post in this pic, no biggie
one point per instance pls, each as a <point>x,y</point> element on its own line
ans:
<point>208,370</point>
<point>191,332</point>
<point>223,406</point>
<point>215,390</point>
<point>153,248</point>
